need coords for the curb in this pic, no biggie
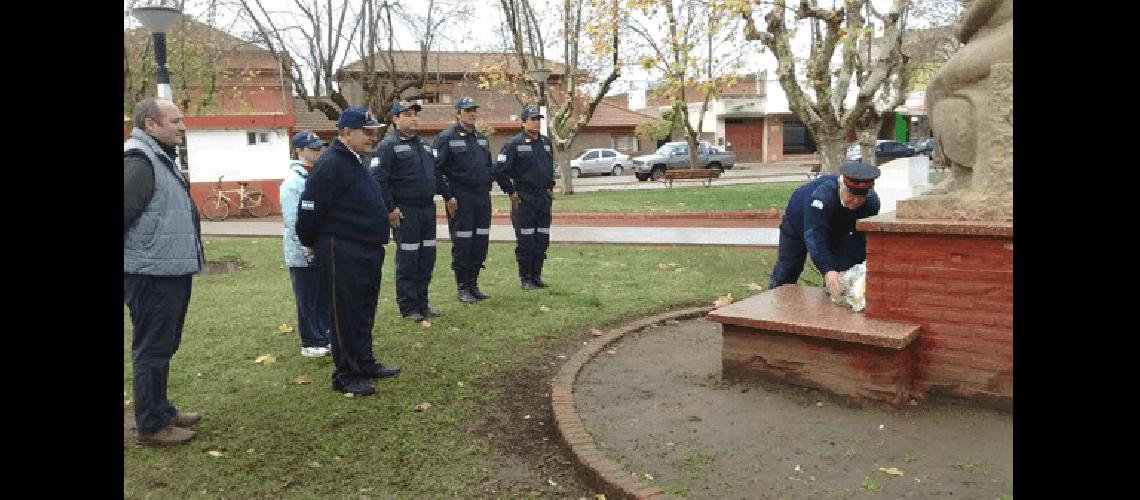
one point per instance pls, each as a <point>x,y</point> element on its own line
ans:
<point>605,473</point>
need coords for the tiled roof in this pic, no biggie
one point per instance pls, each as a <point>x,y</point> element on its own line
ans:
<point>408,61</point>
<point>499,111</point>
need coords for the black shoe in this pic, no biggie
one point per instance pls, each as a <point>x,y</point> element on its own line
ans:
<point>538,282</point>
<point>477,293</point>
<point>430,313</point>
<point>415,316</point>
<point>354,386</point>
<point>383,372</point>
<point>466,297</point>
<point>529,285</point>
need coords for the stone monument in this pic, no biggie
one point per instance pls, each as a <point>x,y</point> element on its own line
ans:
<point>971,111</point>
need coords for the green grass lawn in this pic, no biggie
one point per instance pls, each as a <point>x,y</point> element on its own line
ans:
<point>280,438</point>
<point>739,197</point>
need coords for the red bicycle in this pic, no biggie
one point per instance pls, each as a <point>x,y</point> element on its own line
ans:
<point>217,206</point>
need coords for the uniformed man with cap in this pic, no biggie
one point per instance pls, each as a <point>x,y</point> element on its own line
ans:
<point>341,216</point>
<point>405,169</point>
<point>463,157</point>
<point>820,220</point>
<point>524,170</point>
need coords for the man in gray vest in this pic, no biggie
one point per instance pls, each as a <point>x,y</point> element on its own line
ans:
<point>162,250</point>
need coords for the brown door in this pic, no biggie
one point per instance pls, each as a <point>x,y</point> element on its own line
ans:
<point>747,138</point>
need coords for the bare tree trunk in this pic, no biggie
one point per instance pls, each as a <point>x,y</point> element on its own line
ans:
<point>832,150</point>
<point>867,138</point>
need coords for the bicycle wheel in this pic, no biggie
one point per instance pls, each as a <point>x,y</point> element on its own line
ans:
<point>216,208</point>
<point>257,204</point>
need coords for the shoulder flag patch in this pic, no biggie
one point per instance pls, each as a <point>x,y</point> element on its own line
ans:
<point>501,158</point>
<point>308,205</point>
<point>817,204</point>
<point>375,161</point>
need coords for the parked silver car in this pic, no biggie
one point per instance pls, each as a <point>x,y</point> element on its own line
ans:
<point>676,155</point>
<point>599,161</point>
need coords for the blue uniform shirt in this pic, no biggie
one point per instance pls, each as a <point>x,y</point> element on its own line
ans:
<point>525,163</point>
<point>815,214</point>
<point>464,158</point>
<point>405,169</point>
<point>340,199</point>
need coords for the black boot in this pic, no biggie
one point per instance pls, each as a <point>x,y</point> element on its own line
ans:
<point>462,279</point>
<point>524,276</point>
<point>536,274</point>
<point>473,285</point>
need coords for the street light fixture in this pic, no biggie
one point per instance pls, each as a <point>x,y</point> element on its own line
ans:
<point>540,75</point>
<point>158,20</point>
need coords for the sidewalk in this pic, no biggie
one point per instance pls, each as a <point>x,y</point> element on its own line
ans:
<point>724,236</point>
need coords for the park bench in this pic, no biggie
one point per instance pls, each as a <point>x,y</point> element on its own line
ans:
<point>795,334</point>
<point>814,170</point>
<point>704,175</point>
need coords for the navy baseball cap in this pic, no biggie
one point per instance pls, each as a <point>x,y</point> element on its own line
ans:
<point>859,177</point>
<point>465,103</point>
<point>529,111</point>
<point>357,117</point>
<point>401,106</point>
<point>307,140</point>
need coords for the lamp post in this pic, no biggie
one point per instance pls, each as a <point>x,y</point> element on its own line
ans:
<point>158,20</point>
<point>540,75</point>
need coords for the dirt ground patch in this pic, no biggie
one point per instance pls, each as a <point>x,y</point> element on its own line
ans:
<point>655,403</point>
<point>526,458</point>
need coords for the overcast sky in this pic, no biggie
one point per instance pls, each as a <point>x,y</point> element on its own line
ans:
<point>480,31</point>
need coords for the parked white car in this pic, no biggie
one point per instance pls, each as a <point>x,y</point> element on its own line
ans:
<point>599,161</point>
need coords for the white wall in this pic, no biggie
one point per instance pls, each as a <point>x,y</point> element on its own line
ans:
<point>212,153</point>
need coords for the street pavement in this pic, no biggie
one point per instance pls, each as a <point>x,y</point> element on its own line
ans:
<point>722,236</point>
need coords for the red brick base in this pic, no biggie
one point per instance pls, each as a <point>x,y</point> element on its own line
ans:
<point>845,368</point>
<point>955,280</point>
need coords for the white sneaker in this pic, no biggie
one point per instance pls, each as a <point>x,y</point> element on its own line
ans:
<point>314,352</point>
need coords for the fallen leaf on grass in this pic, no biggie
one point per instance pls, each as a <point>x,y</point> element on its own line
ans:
<point>596,332</point>
<point>894,471</point>
<point>723,300</point>
<point>425,323</point>
<point>303,380</point>
<point>754,286</point>
<point>214,453</point>
<point>662,266</point>
<point>417,345</point>
<point>611,351</point>
<point>551,482</point>
<point>266,359</point>
<point>423,406</point>
<point>543,308</point>
<point>599,496</point>
<point>284,328</point>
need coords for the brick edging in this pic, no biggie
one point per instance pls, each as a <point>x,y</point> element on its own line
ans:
<point>606,473</point>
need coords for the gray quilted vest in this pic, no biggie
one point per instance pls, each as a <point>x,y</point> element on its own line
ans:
<point>164,240</point>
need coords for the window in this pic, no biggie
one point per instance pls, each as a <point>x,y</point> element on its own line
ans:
<point>253,138</point>
<point>592,156</point>
<point>608,154</point>
<point>625,143</point>
<point>797,139</point>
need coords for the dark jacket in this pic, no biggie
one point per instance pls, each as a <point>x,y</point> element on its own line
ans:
<point>340,199</point>
<point>525,164</point>
<point>815,214</point>
<point>405,170</point>
<point>462,160</point>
